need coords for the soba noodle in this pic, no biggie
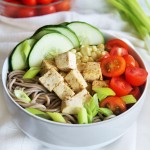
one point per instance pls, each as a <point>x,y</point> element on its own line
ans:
<point>42,99</point>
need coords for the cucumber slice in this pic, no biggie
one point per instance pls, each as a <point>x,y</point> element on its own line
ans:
<point>86,33</point>
<point>20,54</point>
<point>49,46</point>
<point>41,32</point>
<point>62,29</point>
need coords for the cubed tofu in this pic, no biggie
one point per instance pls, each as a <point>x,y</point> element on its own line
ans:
<point>63,91</point>
<point>76,80</point>
<point>99,83</point>
<point>92,71</point>
<point>81,66</point>
<point>73,105</point>
<point>47,64</point>
<point>51,79</point>
<point>66,61</point>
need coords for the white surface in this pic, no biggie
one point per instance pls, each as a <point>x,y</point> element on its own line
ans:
<point>14,30</point>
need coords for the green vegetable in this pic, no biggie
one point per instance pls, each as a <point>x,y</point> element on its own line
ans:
<point>105,111</point>
<point>129,99</point>
<point>133,12</point>
<point>26,47</point>
<point>38,113</point>
<point>102,93</point>
<point>22,95</point>
<point>31,73</point>
<point>56,117</point>
<point>82,116</point>
<point>92,108</point>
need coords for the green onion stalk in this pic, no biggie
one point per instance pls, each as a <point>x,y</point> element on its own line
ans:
<point>135,15</point>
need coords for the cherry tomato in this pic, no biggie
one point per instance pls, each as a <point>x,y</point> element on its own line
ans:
<point>104,56</point>
<point>119,51</point>
<point>114,103</point>
<point>136,64</point>
<point>130,61</point>
<point>136,92</point>
<point>47,10</point>
<point>10,11</point>
<point>13,1</point>
<point>116,43</point>
<point>29,2</point>
<point>44,1</point>
<point>136,76</point>
<point>63,6</point>
<point>113,66</point>
<point>26,12</point>
<point>120,86</point>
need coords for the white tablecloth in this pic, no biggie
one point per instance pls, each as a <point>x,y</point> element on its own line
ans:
<point>98,13</point>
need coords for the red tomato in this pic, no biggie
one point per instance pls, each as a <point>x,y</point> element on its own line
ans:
<point>136,76</point>
<point>119,51</point>
<point>10,11</point>
<point>104,56</point>
<point>44,1</point>
<point>63,6</point>
<point>12,1</point>
<point>120,86</point>
<point>116,43</point>
<point>26,12</point>
<point>47,10</point>
<point>116,104</point>
<point>136,92</point>
<point>113,66</point>
<point>29,2</point>
<point>136,64</point>
<point>130,61</point>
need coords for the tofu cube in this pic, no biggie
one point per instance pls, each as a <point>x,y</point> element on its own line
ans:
<point>66,61</point>
<point>92,71</point>
<point>51,79</point>
<point>76,80</point>
<point>63,91</point>
<point>81,66</point>
<point>73,105</point>
<point>47,64</point>
<point>99,83</point>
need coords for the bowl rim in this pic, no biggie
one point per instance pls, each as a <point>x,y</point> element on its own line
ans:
<point>29,6</point>
<point>83,125</point>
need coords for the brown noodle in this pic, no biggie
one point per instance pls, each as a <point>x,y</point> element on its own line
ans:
<point>42,99</point>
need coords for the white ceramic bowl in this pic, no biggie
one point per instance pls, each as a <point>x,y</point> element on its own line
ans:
<point>66,136</point>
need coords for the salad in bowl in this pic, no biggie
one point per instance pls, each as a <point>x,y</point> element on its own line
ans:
<point>72,74</point>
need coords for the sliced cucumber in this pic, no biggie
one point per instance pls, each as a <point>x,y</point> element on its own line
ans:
<point>49,46</point>
<point>20,54</point>
<point>39,33</point>
<point>86,33</point>
<point>62,29</point>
